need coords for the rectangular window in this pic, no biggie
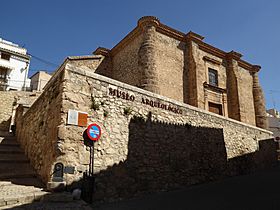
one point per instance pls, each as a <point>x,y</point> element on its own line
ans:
<point>215,108</point>
<point>213,77</point>
<point>3,73</point>
<point>5,56</point>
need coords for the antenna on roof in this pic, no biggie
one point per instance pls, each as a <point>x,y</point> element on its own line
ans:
<point>272,98</point>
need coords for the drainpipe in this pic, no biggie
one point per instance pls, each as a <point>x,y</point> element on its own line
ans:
<point>25,76</point>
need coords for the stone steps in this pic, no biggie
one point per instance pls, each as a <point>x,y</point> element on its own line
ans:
<point>13,157</point>
<point>18,181</point>
<point>8,148</point>
<point>15,195</point>
<point>27,181</point>
<point>16,170</point>
<point>48,201</point>
<point>8,140</point>
<point>19,187</point>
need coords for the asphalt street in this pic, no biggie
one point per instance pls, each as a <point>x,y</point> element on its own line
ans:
<point>260,190</point>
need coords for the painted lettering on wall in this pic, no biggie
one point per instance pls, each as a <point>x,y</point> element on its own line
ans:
<point>129,97</point>
<point>160,105</point>
<point>121,94</point>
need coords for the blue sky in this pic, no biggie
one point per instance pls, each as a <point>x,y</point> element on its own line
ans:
<point>53,30</point>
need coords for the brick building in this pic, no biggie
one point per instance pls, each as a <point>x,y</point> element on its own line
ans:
<point>181,66</point>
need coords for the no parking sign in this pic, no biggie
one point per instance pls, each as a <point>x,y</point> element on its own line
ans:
<point>94,132</point>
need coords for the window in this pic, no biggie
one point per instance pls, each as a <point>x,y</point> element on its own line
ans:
<point>213,77</point>
<point>5,56</point>
<point>215,108</point>
<point>3,73</point>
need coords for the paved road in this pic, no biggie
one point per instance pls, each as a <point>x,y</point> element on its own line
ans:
<point>250,192</point>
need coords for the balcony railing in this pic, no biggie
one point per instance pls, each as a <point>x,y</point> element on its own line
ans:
<point>6,64</point>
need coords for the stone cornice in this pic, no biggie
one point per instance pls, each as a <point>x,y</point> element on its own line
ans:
<point>84,57</point>
<point>27,57</point>
<point>233,55</point>
<point>211,50</point>
<point>166,30</point>
<point>102,51</point>
<point>211,60</point>
<point>193,36</point>
<point>125,41</point>
<point>214,88</point>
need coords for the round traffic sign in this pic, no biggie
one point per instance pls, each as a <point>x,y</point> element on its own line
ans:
<point>94,132</point>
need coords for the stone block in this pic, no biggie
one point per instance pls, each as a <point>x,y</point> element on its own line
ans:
<point>3,202</point>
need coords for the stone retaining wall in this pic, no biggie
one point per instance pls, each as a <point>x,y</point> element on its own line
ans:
<point>9,101</point>
<point>154,143</point>
<point>37,128</point>
<point>148,143</point>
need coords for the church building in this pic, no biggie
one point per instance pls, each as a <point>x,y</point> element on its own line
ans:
<point>183,67</point>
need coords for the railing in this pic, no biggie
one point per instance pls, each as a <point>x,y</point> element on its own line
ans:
<point>6,64</point>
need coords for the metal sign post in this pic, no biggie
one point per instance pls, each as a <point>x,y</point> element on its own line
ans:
<point>91,135</point>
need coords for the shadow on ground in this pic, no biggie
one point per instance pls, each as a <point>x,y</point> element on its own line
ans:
<point>258,191</point>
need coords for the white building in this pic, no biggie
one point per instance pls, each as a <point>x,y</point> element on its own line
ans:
<point>14,66</point>
<point>273,118</point>
<point>39,80</point>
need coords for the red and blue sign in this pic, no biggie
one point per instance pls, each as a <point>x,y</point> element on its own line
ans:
<point>94,132</point>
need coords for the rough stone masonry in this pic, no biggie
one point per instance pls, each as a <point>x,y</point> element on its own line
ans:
<point>149,142</point>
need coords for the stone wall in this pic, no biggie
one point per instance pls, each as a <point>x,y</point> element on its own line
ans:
<point>246,99</point>
<point>37,129</point>
<point>149,142</point>
<point>170,64</point>
<point>165,61</point>
<point>9,101</point>
<point>148,148</point>
<point>126,63</point>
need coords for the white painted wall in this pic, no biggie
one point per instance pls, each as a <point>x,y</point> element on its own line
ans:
<point>273,118</point>
<point>18,76</point>
<point>18,66</point>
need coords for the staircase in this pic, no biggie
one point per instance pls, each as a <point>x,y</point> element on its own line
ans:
<point>18,182</point>
<point>19,186</point>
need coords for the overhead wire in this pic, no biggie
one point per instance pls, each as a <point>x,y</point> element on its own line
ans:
<point>43,60</point>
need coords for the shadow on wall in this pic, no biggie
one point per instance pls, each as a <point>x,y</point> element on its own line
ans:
<point>5,124</point>
<point>164,156</point>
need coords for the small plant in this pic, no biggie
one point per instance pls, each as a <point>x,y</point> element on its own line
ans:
<point>94,104</point>
<point>105,113</point>
<point>127,111</point>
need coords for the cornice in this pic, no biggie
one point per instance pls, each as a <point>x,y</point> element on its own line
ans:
<point>84,57</point>
<point>27,57</point>
<point>193,36</point>
<point>211,60</point>
<point>102,51</point>
<point>211,50</point>
<point>214,88</point>
<point>166,30</point>
<point>125,41</point>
